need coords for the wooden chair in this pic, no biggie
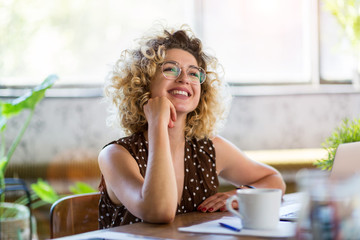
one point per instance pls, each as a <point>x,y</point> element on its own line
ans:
<point>74,214</point>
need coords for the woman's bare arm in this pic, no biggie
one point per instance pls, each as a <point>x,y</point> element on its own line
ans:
<point>153,198</point>
<point>234,166</point>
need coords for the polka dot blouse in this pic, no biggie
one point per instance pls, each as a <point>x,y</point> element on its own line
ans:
<point>200,180</point>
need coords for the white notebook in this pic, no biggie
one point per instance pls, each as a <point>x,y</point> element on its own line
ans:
<point>284,229</point>
<point>290,206</point>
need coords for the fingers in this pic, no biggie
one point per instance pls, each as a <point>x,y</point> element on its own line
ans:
<point>160,110</point>
<point>214,203</point>
<point>172,116</point>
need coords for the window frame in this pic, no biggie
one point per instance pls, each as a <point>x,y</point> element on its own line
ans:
<point>314,86</point>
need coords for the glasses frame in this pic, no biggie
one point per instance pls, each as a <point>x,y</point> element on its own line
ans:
<point>187,71</point>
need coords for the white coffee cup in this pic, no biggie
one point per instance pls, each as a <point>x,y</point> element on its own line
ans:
<point>258,208</point>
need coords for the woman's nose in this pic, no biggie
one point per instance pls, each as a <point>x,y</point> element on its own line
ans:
<point>184,78</point>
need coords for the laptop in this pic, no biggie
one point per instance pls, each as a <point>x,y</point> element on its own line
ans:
<point>346,163</point>
<point>347,160</point>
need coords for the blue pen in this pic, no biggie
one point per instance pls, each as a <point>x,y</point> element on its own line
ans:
<point>229,227</point>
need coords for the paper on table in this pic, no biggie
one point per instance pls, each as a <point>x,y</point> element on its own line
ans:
<point>126,236</point>
<point>290,207</point>
<point>284,229</point>
<point>108,235</point>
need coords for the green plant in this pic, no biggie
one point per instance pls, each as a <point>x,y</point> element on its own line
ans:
<point>44,194</point>
<point>348,131</point>
<point>41,192</point>
<point>347,14</point>
<point>9,109</point>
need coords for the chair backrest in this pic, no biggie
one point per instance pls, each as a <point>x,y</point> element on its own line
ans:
<point>74,214</point>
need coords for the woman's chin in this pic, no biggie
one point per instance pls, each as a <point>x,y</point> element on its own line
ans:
<point>183,110</point>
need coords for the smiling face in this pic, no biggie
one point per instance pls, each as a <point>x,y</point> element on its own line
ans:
<point>183,94</point>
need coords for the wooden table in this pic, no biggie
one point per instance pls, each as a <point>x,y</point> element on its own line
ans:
<point>169,231</point>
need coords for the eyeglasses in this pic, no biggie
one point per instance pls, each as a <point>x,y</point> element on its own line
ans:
<point>172,70</point>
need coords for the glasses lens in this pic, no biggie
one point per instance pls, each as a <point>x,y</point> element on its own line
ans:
<point>170,70</point>
<point>196,75</point>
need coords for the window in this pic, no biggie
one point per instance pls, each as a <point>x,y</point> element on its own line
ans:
<point>337,57</point>
<point>77,40</point>
<point>260,41</point>
<point>257,41</point>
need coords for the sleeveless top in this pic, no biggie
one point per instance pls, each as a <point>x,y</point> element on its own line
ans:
<point>200,180</point>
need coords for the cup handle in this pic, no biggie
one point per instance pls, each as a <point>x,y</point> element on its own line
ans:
<point>230,208</point>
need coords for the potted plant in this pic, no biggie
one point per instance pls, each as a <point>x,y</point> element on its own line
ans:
<point>15,218</point>
<point>348,131</point>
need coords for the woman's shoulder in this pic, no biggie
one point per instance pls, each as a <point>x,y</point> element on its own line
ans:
<point>134,139</point>
<point>130,144</point>
<point>220,141</point>
<point>111,150</point>
<point>125,146</point>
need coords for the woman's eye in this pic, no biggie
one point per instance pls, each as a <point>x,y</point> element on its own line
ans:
<point>169,69</point>
<point>194,73</point>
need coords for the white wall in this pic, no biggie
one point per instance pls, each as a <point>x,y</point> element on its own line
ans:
<point>62,125</point>
<point>292,121</point>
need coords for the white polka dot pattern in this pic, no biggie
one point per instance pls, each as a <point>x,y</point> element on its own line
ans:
<point>200,179</point>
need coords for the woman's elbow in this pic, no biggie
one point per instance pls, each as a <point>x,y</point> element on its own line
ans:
<point>280,183</point>
<point>160,215</point>
<point>283,186</point>
<point>165,218</point>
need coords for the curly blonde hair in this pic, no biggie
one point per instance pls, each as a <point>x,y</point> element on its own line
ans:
<point>128,85</point>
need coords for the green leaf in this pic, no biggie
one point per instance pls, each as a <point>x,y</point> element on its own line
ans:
<point>81,187</point>
<point>45,191</point>
<point>3,162</point>
<point>347,14</point>
<point>347,131</point>
<point>356,27</point>
<point>3,122</point>
<point>27,101</point>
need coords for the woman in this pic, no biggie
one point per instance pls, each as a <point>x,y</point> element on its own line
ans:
<point>167,98</point>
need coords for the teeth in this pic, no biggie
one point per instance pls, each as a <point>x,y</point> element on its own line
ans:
<point>179,92</point>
